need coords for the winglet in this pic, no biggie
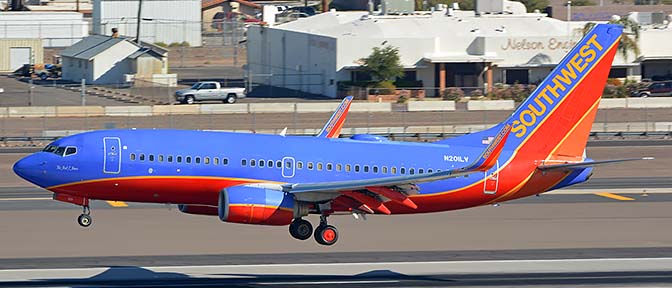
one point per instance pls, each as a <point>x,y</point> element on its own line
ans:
<point>333,127</point>
<point>488,158</point>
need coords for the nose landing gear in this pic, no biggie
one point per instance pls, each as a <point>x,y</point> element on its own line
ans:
<point>84,220</point>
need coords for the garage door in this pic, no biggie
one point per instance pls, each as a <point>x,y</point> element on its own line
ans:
<point>18,56</point>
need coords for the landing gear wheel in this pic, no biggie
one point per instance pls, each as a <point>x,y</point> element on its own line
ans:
<point>84,220</point>
<point>326,235</point>
<point>301,229</point>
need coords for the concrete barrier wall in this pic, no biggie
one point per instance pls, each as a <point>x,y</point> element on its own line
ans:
<point>79,111</point>
<point>316,107</point>
<point>134,111</point>
<point>649,102</point>
<point>222,109</point>
<point>480,105</point>
<point>272,108</point>
<point>417,106</point>
<point>613,103</point>
<point>174,109</point>
<point>370,107</point>
<point>44,111</point>
<point>3,112</point>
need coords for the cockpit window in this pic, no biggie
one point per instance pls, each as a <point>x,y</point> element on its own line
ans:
<point>70,150</point>
<point>60,150</point>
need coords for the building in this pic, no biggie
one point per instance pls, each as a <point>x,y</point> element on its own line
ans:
<point>163,21</point>
<point>108,60</point>
<point>446,48</point>
<point>56,29</point>
<point>16,52</point>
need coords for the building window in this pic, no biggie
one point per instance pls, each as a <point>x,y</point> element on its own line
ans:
<point>618,73</point>
<point>360,76</point>
<point>520,76</point>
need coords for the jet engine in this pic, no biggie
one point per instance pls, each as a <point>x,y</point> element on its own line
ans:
<point>259,205</point>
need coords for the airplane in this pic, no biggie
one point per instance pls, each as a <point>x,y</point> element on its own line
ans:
<point>267,179</point>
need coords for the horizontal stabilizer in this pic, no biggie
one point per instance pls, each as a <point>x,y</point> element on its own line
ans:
<point>547,167</point>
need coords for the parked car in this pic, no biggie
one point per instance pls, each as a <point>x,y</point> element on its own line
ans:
<point>662,88</point>
<point>308,10</point>
<point>207,91</point>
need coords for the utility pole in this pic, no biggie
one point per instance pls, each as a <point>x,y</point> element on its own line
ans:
<point>137,32</point>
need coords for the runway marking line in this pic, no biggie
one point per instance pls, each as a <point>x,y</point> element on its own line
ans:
<point>117,203</point>
<point>614,196</point>
<point>26,199</point>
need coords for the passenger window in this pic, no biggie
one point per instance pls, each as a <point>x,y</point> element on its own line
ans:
<point>170,158</point>
<point>197,160</point>
<point>319,166</point>
<point>261,163</point>
<point>310,165</point>
<point>160,157</point>
<point>411,171</point>
<point>225,161</point>
<point>188,159</point>
<point>270,163</point>
<point>421,171</point>
<point>299,165</point>
<point>375,169</point>
<point>142,157</point>
<point>70,150</point>
<point>132,156</point>
<point>288,164</point>
<point>151,157</point>
<point>278,164</point>
<point>384,168</point>
<point>393,170</point>
<point>330,166</point>
<point>429,170</point>
<point>339,167</point>
<point>253,163</point>
<point>366,168</point>
<point>357,168</point>
<point>179,159</point>
<point>243,162</point>
<point>402,170</point>
<point>206,160</point>
<point>215,160</point>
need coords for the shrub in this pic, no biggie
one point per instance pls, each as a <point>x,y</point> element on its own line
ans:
<point>382,88</point>
<point>452,94</point>
<point>161,44</point>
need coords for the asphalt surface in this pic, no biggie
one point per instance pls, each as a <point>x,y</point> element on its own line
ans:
<point>140,245</point>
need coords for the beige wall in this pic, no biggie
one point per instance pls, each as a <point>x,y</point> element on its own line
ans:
<point>6,44</point>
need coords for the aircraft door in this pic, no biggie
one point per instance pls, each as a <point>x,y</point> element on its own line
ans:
<point>288,167</point>
<point>112,157</point>
<point>491,182</point>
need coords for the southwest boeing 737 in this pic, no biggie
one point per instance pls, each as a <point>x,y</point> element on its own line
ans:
<point>278,179</point>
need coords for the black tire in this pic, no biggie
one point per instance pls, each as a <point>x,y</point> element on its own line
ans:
<point>643,95</point>
<point>189,99</point>
<point>301,229</point>
<point>44,76</point>
<point>231,98</point>
<point>84,220</point>
<point>326,235</point>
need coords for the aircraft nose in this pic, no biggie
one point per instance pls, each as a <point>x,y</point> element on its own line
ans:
<point>28,167</point>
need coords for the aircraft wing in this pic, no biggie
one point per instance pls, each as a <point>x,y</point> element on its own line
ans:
<point>333,127</point>
<point>397,188</point>
<point>547,167</point>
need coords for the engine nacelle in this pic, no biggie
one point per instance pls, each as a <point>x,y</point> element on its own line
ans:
<point>198,209</point>
<point>259,205</point>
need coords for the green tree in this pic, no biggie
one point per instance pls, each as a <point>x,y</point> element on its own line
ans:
<point>629,38</point>
<point>383,64</point>
<point>583,3</point>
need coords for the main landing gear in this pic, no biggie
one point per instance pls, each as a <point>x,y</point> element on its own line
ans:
<point>325,234</point>
<point>84,220</point>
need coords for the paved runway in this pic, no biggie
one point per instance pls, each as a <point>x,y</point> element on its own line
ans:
<point>139,245</point>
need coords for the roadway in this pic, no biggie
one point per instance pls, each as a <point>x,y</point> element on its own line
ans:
<point>592,236</point>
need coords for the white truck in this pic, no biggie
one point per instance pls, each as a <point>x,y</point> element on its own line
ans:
<point>208,91</point>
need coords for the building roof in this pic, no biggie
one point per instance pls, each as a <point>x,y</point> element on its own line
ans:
<point>90,46</point>
<point>207,4</point>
